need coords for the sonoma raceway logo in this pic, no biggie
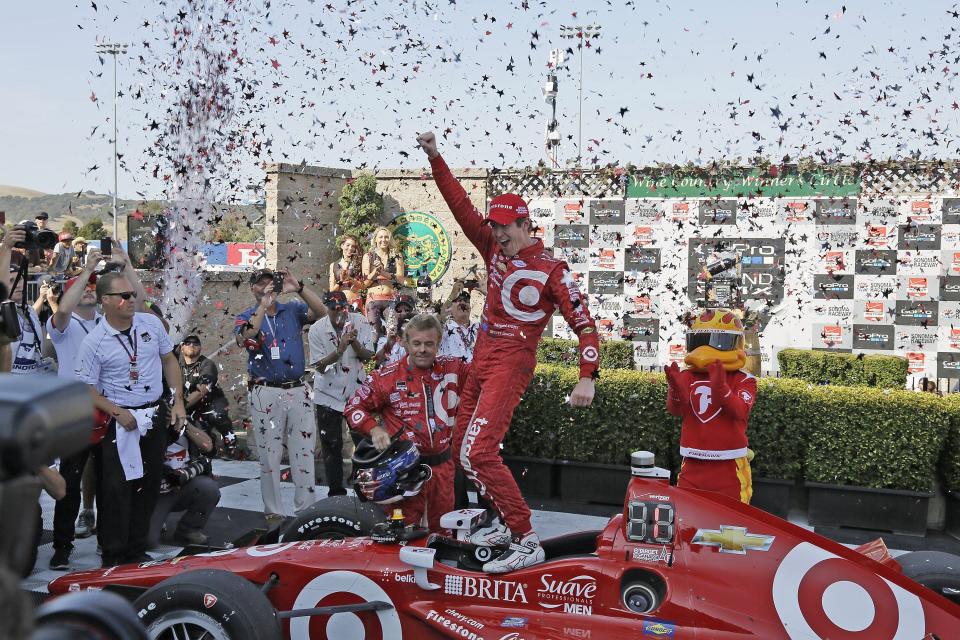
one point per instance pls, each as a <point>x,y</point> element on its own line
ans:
<point>574,595</point>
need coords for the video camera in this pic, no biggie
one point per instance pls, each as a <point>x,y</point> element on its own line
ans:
<point>43,418</point>
<point>36,238</point>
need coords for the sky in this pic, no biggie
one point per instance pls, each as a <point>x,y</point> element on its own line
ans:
<point>350,84</point>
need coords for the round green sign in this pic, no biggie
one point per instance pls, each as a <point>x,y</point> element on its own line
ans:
<point>424,241</point>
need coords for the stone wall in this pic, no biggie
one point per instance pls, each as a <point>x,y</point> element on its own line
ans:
<point>300,230</point>
<point>405,191</point>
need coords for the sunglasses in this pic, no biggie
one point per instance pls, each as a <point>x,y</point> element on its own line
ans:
<point>126,295</point>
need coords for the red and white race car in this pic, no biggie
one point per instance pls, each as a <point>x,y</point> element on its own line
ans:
<point>674,564</point>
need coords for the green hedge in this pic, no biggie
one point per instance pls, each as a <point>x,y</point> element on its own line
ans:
<point>614,354</point>
<point>824,367</point>
<point>829,434</point>
<point>950,458</point>
<point>875,437</point>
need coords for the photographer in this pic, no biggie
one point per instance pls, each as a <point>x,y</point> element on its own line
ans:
<point>204,399</point>
<point>389,347</point>
<point>186,486</point>
<point>75,317</point>
<point>26,354</point>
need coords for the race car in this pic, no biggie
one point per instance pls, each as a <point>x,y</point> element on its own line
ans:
<point>674,563</point>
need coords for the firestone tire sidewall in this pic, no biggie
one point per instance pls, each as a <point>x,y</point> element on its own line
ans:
<point>340,516</point>
<point>235,605</point>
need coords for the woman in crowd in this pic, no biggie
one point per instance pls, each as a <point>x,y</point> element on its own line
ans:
<point>383,270</point>
<point>346,274</point>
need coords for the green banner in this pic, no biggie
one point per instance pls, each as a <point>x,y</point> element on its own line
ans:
<point>747,183</point>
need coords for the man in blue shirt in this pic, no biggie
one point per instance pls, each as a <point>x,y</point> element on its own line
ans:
<point>280,402</point>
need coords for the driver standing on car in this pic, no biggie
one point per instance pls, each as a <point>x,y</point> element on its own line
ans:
<point>714,397</point>
<point>525,286</point>
<point>416,399</point>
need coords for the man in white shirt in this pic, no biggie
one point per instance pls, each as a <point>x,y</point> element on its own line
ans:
<point>75,318</point>
<point>125,360</point>
<point>339,345</point>
<point>459,334</point>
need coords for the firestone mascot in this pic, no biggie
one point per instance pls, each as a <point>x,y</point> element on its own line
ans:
<point>714,396</point>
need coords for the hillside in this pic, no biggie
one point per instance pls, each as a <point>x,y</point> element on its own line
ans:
<point>84,206</point>
<point>20,192</point>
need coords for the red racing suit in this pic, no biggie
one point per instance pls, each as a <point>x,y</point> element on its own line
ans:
<point>713,436</point>
<point>523,292</point>
<point>422,405</point>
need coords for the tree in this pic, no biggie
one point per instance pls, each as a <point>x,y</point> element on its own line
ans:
<point>70,227</point>
<point>93,230</point>
<point>232,225</point>
<point>361,208</point>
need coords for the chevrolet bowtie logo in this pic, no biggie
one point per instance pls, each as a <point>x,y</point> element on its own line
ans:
<point>733,539</point>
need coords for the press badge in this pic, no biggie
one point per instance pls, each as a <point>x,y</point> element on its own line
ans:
<point>275,352</point>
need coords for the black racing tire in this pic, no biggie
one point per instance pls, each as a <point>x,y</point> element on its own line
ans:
<point>333,518</point>
<point>935,570</point>
<point>222,604</point>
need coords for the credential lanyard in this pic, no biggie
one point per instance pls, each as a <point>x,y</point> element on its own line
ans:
<point>132,338</point>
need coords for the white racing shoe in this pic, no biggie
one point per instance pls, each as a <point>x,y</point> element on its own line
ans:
<point>522,552</point>
<point>495,534</point>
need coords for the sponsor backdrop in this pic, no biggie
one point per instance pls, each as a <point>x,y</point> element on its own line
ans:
<point>830,269</point>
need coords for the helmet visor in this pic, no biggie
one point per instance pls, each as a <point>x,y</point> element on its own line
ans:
<point>719,341</point>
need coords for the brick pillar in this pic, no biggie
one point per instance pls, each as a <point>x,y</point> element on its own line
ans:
<point>301,219</point>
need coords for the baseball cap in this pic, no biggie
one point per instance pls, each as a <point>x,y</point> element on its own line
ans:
<point>72,281</point>
<point>259,275</point>
<point>192,339</point>
<point>334,299</point>
<point>506,208</point>
<point>43,215</point>
<point>65,236</point>
<point>403,299</point>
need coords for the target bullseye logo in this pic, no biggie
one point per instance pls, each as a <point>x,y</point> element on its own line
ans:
<point>345,587</point>
<point>821,595</point>
<point>528,294</point>
<point>445,398</point>
<point>590,354</point>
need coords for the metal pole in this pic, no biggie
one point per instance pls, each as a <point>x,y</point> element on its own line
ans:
<point>115,180</point>
<point>580,110</point>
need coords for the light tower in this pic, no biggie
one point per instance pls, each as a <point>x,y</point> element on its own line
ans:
<point>113,49</point>
<point>552,131</point>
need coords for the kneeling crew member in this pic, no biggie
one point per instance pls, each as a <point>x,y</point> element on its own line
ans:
<point>714,397</point>
<point>416,398</point>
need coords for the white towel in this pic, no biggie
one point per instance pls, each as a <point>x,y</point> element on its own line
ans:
<point>128,442</point>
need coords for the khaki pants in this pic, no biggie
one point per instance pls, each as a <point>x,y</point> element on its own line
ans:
<point>277,415</point>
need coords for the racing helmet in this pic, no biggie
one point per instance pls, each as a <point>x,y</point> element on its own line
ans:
<point>390,475</point>
<point>716,335</point>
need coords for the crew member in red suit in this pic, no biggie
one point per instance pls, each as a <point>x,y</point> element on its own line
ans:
<point>714,397</point>
<point>416,397</point>
<point>525,286</point>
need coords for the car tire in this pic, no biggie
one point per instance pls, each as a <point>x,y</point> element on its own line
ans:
<point>219,602</point>
<point>935,570</point>
<point>334,518</point>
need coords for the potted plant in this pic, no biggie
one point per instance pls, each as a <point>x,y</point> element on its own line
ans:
<point>594,444</point>
<point>777,436</point>
<point>871,458</point>
<point>529,448</point>
<point>950,467</point>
